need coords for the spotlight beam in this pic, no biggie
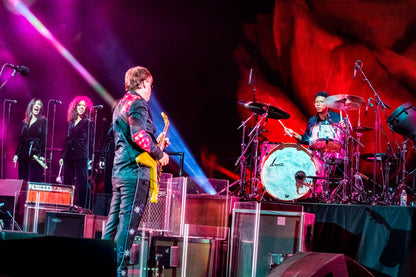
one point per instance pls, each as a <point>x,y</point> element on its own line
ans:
<point>177,144</point>
<point>35,22</point>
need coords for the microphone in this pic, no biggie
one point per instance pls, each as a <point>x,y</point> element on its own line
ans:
<point>97,107</point>
<point>56,101</point>
<point>250,76</point>
<point>23,70</point>
<point>30,148</point>
<point>356,65</point>
<point>11,101</point>
<point>368,104</point>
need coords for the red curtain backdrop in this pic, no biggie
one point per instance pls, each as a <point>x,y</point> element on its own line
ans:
<point>309,46</point>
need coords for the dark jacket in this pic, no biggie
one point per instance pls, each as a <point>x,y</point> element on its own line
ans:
<point>134,133</point>
<point>76,146</point>
<point>32,140</point>
<point>332,117</point>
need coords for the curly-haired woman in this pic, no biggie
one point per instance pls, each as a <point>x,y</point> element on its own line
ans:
<point>77,149</point>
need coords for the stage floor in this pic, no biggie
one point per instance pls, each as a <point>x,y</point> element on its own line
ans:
<point>381,238</point>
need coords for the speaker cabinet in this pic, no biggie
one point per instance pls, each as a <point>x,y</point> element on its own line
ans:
<point>172,256</point>
<point>313,264</point>
<point>12,201</point>
<point>74,225</point>
<point>264,234</point>
<point>35,217</point>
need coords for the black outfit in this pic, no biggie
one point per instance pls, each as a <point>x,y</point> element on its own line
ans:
<point>133,134</point>
<point>76,154</point>
<point>332,117</point>
<point>31,142</point>
<point>107,156</point>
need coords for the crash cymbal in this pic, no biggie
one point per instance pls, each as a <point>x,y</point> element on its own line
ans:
<point>344,102</point>
<point>362,129</point>
<point>261,108</point>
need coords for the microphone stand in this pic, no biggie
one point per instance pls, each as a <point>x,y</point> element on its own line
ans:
<point>3,156</point>
<point>12,75</point>
<point>89,188</point>
<point>4,140</point>
<point>378,104</point>
<point>52,137</point>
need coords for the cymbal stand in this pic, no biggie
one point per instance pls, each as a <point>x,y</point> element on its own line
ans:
<point>254,139</point>
<point>242,159</point>
<point>401,183</point>
<point>345,181</point>
<point>358,192</point>
<point>385,196</point>
<point>378,103</point>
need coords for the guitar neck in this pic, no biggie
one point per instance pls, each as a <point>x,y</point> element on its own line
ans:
<point>162,141</point>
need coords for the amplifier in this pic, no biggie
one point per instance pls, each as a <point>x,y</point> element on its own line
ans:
<point>54,194</point>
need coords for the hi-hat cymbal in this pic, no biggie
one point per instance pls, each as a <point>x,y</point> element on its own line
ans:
<point>344,102</point>
<point>369,157</point>
<point>261,108</point>
<point>362,129</point>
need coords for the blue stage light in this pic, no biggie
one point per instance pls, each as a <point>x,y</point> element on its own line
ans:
<point>177,144</point>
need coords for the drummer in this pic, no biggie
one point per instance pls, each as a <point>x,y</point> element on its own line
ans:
<point>323,115</point>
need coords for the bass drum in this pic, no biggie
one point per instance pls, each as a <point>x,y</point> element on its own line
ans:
<point>280,167</point>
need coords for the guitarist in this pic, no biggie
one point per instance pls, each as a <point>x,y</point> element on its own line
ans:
<point>134,133</point>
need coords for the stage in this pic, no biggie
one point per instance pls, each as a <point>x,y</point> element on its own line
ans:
<point>380,238</point>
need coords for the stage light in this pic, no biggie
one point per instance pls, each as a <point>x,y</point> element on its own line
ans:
<point>177,144</point>
<point>22,9</point>
<point>191,167</point>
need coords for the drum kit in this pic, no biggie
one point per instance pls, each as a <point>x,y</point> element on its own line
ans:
<point>328,170</point>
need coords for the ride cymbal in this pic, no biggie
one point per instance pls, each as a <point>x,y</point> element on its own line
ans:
<point>344,102</point>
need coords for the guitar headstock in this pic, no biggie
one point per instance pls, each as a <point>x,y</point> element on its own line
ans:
<point>165,118</point>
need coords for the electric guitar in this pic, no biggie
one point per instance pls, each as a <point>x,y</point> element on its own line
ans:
<point>154,167</point>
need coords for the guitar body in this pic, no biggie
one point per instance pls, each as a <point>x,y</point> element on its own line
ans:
<point>147,161</point>
<point>155,170</point>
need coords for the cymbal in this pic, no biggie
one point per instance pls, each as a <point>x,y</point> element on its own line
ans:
<point>369,157</point>
<point>261,108</point>
<point>362,129</point>
<point>344,102</point>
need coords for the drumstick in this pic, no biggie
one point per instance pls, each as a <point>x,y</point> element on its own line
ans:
<point>58,179</point>
<point>281,123</point>
<point>60,169</point>
<point>42,164</point>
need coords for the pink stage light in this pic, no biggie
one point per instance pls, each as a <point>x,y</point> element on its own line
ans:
<point>22,9</point>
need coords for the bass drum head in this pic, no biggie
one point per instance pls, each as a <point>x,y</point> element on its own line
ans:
<point>280,167</point>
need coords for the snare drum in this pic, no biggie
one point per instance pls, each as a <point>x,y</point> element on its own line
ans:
<point>326,137</point>
<point>279,168</point>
